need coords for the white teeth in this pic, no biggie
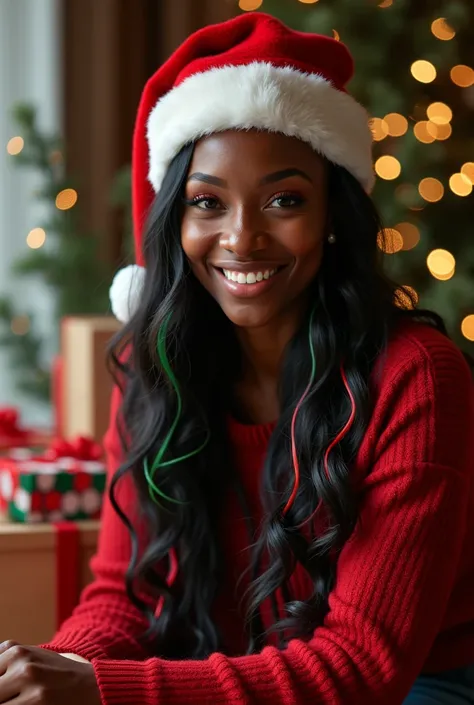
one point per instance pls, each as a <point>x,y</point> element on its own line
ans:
<point>250,278</point>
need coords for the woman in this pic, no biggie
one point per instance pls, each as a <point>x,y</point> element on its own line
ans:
<point>290,445</point>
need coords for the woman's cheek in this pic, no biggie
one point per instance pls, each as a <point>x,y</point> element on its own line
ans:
<point>196,239</point>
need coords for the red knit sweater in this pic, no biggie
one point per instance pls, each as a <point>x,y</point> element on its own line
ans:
<point>403,602</point>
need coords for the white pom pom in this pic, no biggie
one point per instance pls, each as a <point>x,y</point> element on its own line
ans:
<point>126,290</point>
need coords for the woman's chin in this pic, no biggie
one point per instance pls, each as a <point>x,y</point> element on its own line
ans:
<point>249,316</point>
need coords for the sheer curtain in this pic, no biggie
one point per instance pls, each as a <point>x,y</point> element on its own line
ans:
<point>30,63</point>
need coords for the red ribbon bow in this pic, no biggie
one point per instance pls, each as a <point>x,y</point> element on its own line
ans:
<point>81,448</point>
<point>9,423</point>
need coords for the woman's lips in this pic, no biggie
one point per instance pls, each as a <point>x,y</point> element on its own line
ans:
<point>249,283</point>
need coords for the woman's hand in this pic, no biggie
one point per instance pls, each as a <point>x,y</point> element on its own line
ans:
<point>33,676</point>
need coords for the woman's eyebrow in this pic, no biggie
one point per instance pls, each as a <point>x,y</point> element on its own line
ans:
<point>284,174</point>
<point>208,179</point>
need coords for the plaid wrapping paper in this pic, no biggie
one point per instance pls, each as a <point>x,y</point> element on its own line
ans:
<point>54,486</point>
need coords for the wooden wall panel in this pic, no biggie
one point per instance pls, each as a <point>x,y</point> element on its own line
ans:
<point>111,47</point>
<point>182,17</point>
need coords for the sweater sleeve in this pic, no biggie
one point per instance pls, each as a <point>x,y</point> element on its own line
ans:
<point>106,624</point>
<point>394,576</point>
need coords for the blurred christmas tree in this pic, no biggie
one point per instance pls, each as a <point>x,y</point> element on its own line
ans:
<point>121,200</point>
<point>69,264</point>
<point>414,75</point>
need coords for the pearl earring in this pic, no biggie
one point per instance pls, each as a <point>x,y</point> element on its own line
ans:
<point>332,239</point>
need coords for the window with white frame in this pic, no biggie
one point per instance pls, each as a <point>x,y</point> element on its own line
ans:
<point>30,71</point>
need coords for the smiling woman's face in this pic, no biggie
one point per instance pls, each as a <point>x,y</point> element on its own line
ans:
<point>254,222</point>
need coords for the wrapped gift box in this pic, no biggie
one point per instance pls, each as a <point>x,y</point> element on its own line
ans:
<point>66,482</point>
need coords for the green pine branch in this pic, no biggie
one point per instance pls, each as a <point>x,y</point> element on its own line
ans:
<point>121,198</point>
<point>68,264</point>
<point>25,348</point>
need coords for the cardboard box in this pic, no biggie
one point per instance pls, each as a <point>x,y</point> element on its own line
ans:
<point>85,382</point>
<point>28,563</point>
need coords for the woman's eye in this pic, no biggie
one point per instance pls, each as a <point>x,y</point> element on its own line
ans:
<point>286,200</point>
<point>204,203</point>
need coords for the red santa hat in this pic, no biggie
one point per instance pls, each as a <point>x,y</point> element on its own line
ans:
<point>249,72</point>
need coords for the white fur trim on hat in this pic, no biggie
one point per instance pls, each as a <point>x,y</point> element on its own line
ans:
<point>126,290</point>
<point>262,96</point>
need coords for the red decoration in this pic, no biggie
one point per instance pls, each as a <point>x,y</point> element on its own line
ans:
<point>81,448</point>
<point>52,501</point>
<point>36,502</point>
<point>10,428</point>
<point>13,435</point>
<point>67,569</point>
<point>82,481</point>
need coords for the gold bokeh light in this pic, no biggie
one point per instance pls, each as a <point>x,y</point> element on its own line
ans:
<point>431,190</point>
<point>410,234</point>
<point>390,241</point>
<point>442,30</point>
<point>66,199</point>
<point>424,132</point>
<point>249,5</point>
<point>467,327</point>
<point>423,71</point>
<point>441,264</point>
<point>406,297</point>
<point>397,124</point>
<point>439,113</point>
<point>462,76</point>
<point>467,170</point>
<point>15,145</point>
<point>388,167</point>
<point>441,132</point>
<point>36,238</point>
<point>460,184</point>
<point>379,129</point>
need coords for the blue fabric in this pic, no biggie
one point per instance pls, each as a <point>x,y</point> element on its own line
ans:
<point>449,688</point>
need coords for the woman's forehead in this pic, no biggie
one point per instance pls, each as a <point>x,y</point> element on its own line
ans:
<point>252,148</point>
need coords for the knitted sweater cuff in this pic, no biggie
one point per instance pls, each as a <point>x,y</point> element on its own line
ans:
<point>83,643</point>
<point>127,682</point>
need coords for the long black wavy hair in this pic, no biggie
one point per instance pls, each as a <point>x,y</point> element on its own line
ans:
<point>355,309</point>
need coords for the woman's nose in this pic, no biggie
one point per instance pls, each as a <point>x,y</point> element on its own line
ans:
<point>244,234</point>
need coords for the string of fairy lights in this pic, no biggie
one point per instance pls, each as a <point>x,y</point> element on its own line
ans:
<point>435,124</point>
<point>431,124</point>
